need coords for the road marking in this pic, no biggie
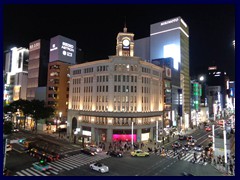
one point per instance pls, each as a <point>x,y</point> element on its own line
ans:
<point>39,172</point>
<point>20,174</point>
<point>32,172</point>
<point>17,150</point>
<point>53,172</point>
<point>24,172</point>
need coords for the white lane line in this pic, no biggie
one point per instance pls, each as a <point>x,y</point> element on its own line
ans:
<point>53,172</point>
<point>20,174</point>
<point>63,166</point>
<point>32,172</point>
<point>39,172</point>
<point>57,168</point>
<point>24,172</point>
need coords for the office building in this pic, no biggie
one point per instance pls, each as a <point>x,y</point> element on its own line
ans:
<point>37,69</point>
<point>15,74</point>
<point>170,38</point>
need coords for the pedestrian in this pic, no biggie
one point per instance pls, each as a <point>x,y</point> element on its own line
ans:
<point>173,135</point>
<point>231,169</point>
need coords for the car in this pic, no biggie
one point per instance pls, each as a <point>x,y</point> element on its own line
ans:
<point>15,129</point>
<point>208,128</point>
<point>187,174</point>
<point>139,153</point>
<point>192,142</point>
<point>87,151</point>
<point>94,148</point>
<point>115,153</point>
<point>9,148</point>
<point>182,137</point>
<point>189,138</point>
<point>100,167</point>
<point>186,147</point>
<point>41,166</point>
<point>198,148</point>
<point>176,144</point>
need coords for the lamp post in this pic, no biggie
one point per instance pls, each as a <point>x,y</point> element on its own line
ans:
<point>225,143</point>
<point>132,134</point>
<point>60,115</point>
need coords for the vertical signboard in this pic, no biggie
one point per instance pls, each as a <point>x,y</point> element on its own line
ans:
<point>63,49</point>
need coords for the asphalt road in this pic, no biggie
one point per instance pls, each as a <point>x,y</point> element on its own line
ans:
<point>75,164</point>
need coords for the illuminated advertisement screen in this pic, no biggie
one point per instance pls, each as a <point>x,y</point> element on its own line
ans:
<point>124,137</point>
<point>63,49</point>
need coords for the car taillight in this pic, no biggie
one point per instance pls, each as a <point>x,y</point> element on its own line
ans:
<point>44,169</point>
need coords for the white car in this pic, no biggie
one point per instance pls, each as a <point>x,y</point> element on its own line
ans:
<point>99,167</point>
<point>9,148</point>
<point>198,148</point>
<point>94,148</point>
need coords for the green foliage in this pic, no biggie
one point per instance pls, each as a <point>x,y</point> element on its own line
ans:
<point>7,127</point>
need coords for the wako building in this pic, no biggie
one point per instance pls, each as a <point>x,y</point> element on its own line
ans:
<point>110,98</point>
<point>170,38</point>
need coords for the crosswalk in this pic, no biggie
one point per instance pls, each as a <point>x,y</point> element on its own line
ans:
<point>64,164</point>
<point>188,156</point>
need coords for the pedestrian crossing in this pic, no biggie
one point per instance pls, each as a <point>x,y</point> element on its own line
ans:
<point>64,164</point>
<point>188,156</point>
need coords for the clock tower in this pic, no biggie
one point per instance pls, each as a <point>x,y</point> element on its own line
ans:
<point>125,43</point>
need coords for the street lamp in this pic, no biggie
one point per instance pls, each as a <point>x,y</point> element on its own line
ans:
<point>60,115</point>
<point>132,134</point>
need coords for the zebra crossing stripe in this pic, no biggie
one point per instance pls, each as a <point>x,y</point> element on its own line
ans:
<point>26,173</point>
<point>69,164</point>
<point>63,166</point>
<point>20,174</point>
<point>39,172</point>
<point>32,172</point>
<point>53,172</point>
<point>205,164</point>
<point>57,168</point>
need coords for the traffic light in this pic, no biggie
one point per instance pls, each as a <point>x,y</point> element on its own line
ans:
<point>41,161</point>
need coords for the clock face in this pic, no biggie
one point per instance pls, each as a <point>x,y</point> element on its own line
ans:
<point>126,42</point>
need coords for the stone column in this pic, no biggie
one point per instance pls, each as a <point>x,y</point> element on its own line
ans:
<point>109,135</point>
<point>139,132</point>
<point>93,134</point>
<point>151,133</point>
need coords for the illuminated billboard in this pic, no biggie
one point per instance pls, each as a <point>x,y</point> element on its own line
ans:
<point>63,49</point>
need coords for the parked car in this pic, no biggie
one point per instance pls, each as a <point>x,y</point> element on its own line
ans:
<point>182,137</point>
<point>139,153</point>
<point>115,153</point>
<point>9,148</point>
<point>41,166</point>
<point>198,148</point>
<point>176,144</point>
<point>87,151</point>
<point>99,167</point>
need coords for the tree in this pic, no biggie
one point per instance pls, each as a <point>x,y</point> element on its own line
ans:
<point>40,111</point>
<point>7,127</point>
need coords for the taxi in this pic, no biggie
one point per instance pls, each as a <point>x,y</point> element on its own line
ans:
<point>139,153</point>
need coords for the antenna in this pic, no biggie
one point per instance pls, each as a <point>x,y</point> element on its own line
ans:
<point>125,25</point>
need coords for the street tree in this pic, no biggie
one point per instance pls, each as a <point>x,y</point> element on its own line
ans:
<point>7,127</point>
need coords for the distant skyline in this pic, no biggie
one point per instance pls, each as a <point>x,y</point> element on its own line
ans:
<point>95,28</point>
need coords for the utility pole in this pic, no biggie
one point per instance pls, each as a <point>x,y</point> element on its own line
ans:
<point>225,144</point>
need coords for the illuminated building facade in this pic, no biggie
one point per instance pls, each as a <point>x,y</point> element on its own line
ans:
<point>15,74</point>
<point>107,97</point>
<point>37,69</point>
<point>172,92</point>
<point>170,38</point>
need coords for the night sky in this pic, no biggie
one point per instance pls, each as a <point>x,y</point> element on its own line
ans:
<point>95,28</point>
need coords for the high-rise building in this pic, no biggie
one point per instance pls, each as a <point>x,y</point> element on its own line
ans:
<point>170,38</point>
<point>37,69</point>
<point>172,92</point>
<point>62,55</point>
<point>15,74</point>
<point>120,98</point>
